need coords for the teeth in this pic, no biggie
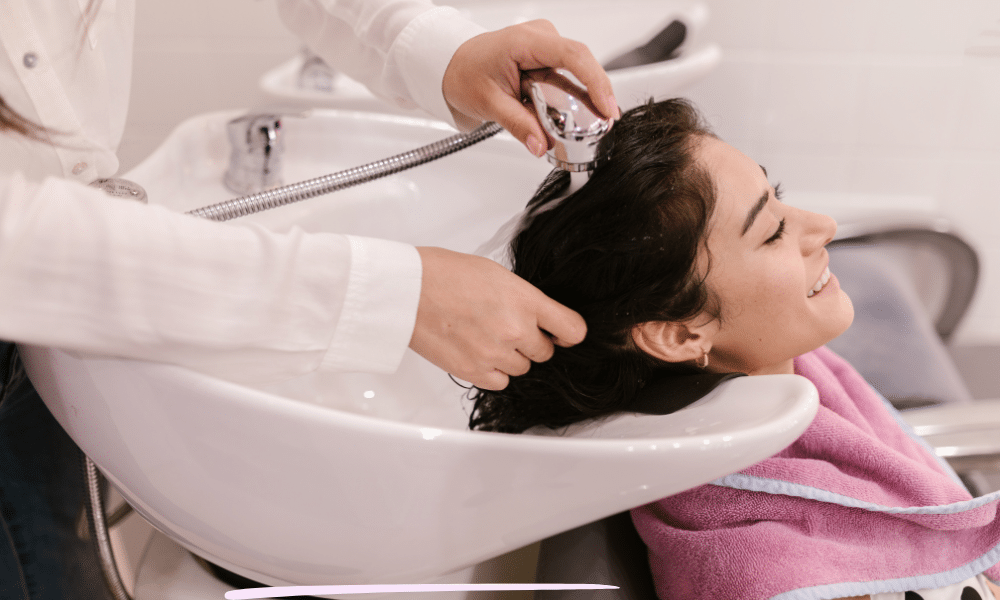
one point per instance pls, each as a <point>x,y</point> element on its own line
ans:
<point>823,280</point>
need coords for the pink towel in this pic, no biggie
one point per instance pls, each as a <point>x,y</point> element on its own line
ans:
<point>857,505</point>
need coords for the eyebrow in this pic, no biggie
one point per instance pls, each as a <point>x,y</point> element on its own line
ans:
<point>752,215</point>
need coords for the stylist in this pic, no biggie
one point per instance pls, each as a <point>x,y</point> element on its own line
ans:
<point>88,273</point>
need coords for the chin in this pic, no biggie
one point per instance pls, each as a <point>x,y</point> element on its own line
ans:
<point>844,316</point>
<point>840,318</point>
<point>839,311</point>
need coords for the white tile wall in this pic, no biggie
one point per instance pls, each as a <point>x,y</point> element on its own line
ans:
<point>192,57</point>
<point>977,110</point>
<point>893,97</point>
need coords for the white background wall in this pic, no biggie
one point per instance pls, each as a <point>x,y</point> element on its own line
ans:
<point>899,98</point>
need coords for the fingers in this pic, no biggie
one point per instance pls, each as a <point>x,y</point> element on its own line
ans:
<point>492,381</point>
<point>521,122</point>
<point>516,360</point>
<point>565,325</point>
<point>481,323</point>
<point>514,364</point>
<point>547,48</point>
<point>537,347</point>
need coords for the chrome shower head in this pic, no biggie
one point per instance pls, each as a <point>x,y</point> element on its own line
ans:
<point>573,125</point>
<point>568,117</point>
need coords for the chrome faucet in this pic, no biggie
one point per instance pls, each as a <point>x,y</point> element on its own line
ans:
<point>257,147</point>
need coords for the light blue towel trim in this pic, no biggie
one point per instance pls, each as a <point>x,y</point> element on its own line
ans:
<point>766,485</point>
<point>751,483</point>
<point>903,584</point>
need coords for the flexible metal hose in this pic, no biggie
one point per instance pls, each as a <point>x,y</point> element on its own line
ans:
<point>254,203</point>
<point>99,532</point>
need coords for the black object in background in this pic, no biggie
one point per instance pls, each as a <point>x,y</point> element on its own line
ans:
<point>663,46</point>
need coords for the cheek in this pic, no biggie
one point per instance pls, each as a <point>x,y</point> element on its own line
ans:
<point>771,289</point>
<point>760,292</point>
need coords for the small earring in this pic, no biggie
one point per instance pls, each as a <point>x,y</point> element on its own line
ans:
<point>703,363</point>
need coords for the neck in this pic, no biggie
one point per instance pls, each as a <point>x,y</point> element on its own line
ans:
<point>783,368</point>
<point>725,363</point>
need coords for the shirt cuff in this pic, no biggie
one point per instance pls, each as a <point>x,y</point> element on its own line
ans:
<point>380,307</point>
<point>424,49</point>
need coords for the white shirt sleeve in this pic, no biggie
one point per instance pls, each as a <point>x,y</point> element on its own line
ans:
<point>399,49</point>
<point>86,272</point>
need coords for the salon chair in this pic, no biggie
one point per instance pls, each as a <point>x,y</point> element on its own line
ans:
<point>911,282</point>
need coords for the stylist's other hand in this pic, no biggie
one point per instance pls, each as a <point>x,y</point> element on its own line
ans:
<point>483,79</point>
<point>481,323</point>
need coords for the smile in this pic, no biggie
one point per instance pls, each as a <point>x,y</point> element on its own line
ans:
<point>823,279</point>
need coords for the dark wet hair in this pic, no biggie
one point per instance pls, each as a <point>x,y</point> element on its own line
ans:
<point>622,250</point>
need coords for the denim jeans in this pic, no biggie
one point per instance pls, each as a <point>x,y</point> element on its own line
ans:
<point>42,495</point>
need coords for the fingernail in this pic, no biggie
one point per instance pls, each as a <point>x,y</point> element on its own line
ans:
<point>535,146</point>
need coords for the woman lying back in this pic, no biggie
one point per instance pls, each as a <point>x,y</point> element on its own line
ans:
<point>686,265</point>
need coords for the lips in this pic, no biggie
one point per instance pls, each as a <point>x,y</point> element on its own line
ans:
<point>823,280</point>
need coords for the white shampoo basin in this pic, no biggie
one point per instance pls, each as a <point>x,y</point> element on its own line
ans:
<point>357,478</point>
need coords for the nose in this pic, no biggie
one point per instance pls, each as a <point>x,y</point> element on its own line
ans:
<point>818,231</point>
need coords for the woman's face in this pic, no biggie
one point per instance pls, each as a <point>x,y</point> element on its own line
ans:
<point>768,269</point>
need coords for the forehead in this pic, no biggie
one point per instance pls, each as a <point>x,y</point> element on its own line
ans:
<point>738,180</point>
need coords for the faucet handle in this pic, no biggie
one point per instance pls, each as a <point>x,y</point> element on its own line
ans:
<point>255,130</point>
<point>568,117</point>
<point>257,145</point>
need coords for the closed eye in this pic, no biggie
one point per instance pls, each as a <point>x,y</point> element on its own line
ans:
<point>777,234</point>
<point>778,191</point>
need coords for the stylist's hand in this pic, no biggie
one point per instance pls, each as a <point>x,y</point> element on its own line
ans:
<point>481,323</point>
<point>483,79</point>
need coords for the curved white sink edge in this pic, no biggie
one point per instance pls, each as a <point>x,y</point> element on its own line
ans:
<point>491,525</point>
<point>616,433</point>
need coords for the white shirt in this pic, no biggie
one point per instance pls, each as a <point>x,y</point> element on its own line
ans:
<point>85,272</point>
<point>73,81</point>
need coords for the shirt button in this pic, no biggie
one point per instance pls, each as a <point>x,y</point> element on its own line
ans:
<point>30,60</point>
<point>79,167</point>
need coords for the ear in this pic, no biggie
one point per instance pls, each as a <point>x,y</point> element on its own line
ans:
<point>674,341</point>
